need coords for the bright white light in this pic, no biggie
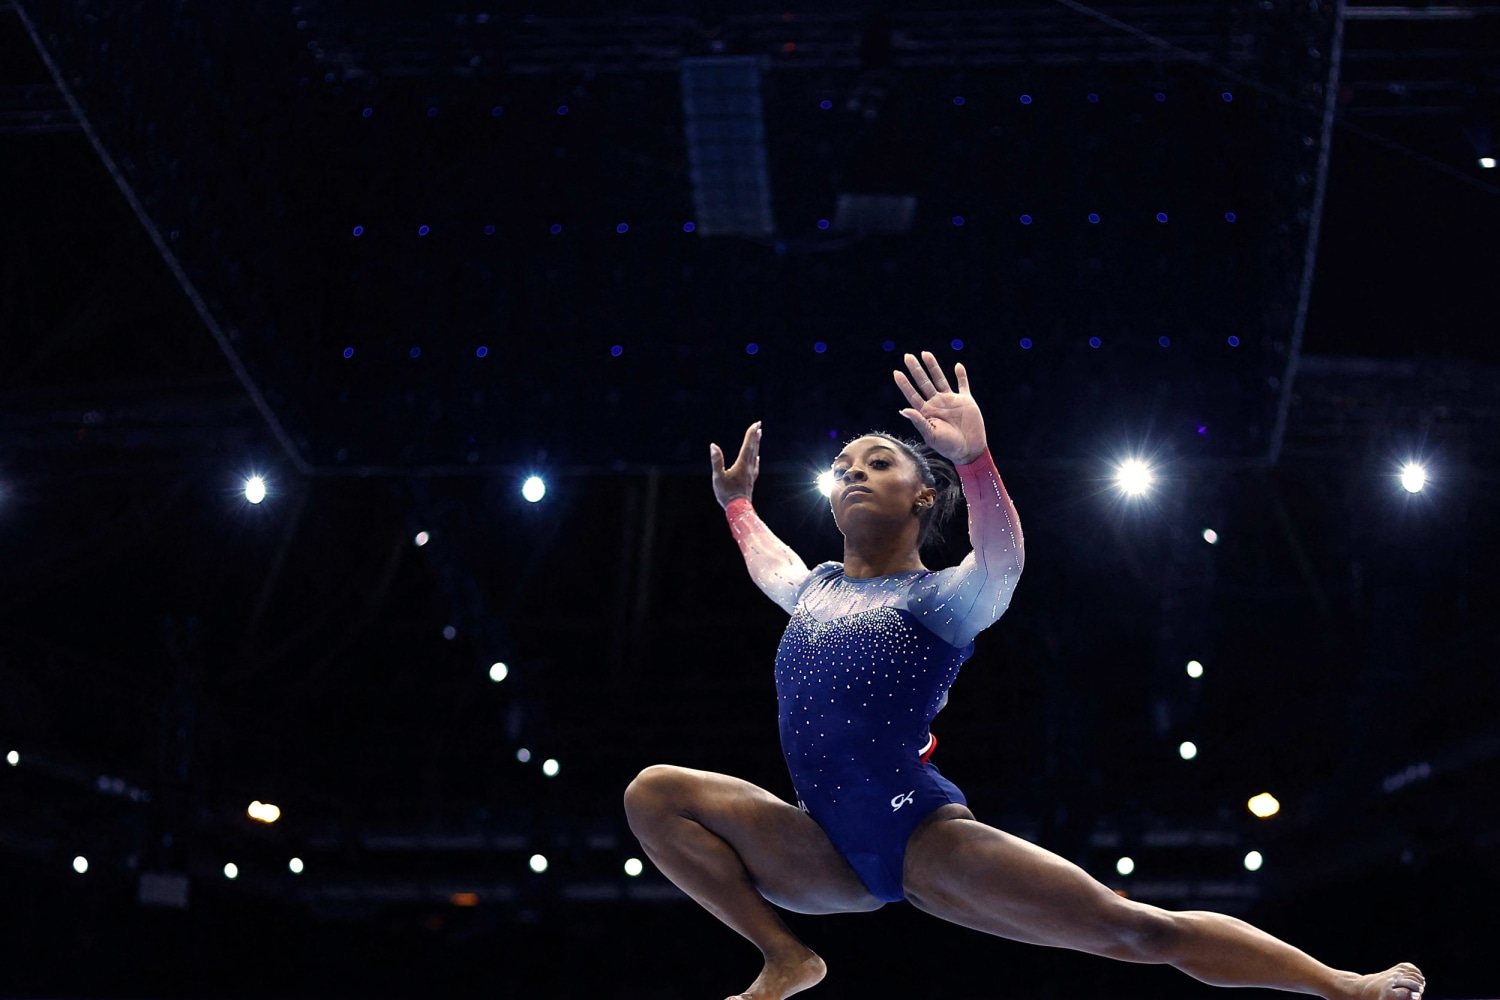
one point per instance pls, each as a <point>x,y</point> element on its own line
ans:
<point>80,864</point>
<point>1487,162</point>
<point>1134,476</point>
<point>498,672</point>
<point>825,483</point>
<point>1210,536</point>
<point>538,863</point>
<point>231,870</point>
<point>523,755</point>
<point>1264,805</point>
<point>255,489</point>
<point>534,489</point>
<point>633,867</point>
<point>1125,866</point>
<point>1188,750</point>
<point>296,866</point>
<point>422,538</point>
<point>1253,861</point>
<point>263,811</point>
<point>12,758</point>
<point>1413,477</point>
<point>550,767</point>
<point>1194,669</point>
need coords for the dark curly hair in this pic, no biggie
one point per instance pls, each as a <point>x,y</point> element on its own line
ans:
<point>934,470</point>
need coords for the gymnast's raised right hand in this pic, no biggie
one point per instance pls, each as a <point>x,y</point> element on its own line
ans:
<point>739,479</point>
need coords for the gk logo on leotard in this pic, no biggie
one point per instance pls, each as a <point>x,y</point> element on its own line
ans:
<point>902,800</point>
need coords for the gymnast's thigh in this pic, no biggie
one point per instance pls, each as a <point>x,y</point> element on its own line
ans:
<point>788,856</point>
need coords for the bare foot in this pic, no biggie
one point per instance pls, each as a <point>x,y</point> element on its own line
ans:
<point>783,977</point>
<point>1400,982</point>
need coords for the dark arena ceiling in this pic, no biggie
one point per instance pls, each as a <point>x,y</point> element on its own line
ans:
<point>395,258</point>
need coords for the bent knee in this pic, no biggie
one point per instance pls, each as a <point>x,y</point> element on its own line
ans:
<point>653,791</point>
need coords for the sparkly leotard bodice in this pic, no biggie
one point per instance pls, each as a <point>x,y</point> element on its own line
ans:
<point>859,678</point>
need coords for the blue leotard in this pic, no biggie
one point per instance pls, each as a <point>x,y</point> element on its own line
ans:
<point>865,665</point>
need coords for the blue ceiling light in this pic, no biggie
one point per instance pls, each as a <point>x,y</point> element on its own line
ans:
<point>432,112</point>
<point>1025,98</point>
<point>623,227</point>
<point>959,101</point>
<point>825,104</point>
<point>1161,98</point>
<point>688,227</point>
<point>751,348</point>
<point>820,347</point>
<point>562,109</point>
<point>1164,341</point>
<point>367,112</point>
<point>423,230</point>
<point>348,352</point>
<point>1161,216</point>
<point>1234,341</point>
<point>1227,96</point>
<point>1094,218</point>
<point>822,223</point>
<point>415,352</point>
<point>956,344</point>
<point>616,351</point>
<point>497,111</point>
<point>481,352</point>
<point>958,220</point>
<point>1229,217</point>
<point>1025,220</point>
<point>359,230</point>
<point>555,228</point>
<point>1093,98</point>
<point>1095,342</point>
<point>489,230</point>
<point>888,346</point>
<point>1025,343</point>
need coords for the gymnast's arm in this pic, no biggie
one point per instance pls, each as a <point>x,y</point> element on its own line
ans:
<point>970,597</point>
<point>961,602</point>
<point>778,571</point>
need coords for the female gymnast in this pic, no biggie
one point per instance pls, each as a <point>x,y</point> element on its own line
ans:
<point>866,661</point>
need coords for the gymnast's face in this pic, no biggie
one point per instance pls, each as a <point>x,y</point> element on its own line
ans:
<point>875,481</point>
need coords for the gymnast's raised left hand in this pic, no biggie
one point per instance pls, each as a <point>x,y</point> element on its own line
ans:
<point>949,421</point>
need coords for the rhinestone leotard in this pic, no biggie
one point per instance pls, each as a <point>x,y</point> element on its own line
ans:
<point>865,665</point>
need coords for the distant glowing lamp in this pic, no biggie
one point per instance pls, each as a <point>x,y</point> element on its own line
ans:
<point>1194,669</point>
<point>1210,536</point>
<point>13,758</point>
<point>1188,750</point>
<point>1134,476</point>
<point>295,866</point>
<point>1253,861</point>
<point>550,767</point>
<point>633,867</point>
<point>1487,162</point>
<point>464,899</point>
<point>1125,866</point>
<point>1264,805</point>
<point>533,489</point>
<point>1413,477</point>
<point>538,863</point>
<point>255,489</point>
<point>523,755</point>
<point>231,871</point>
<point>422,538</point>
<point>263,812</point>
<point>825,483</point>
<point>80,864</point>
<point>498,672</point>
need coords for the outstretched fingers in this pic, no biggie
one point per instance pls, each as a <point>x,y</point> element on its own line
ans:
<point>904,384</point>
<point>962,374</point>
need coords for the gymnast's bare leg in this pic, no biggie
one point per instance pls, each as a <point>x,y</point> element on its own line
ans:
<point>980,877</point>
<point>736,849</point>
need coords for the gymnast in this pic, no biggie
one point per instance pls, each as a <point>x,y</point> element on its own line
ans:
<point>865,663</point>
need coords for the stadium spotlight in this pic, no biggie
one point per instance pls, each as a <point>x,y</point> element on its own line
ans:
<point>263,812</point>
<point>633,867</point>
<point>1264,805</point>
<point>231,871</point>
<point>538,863</point>
<point>498,672</point>
<point>296,866</point>
<point>1253,861</point>
<point>80,864</point>
<point>422,538</point>
<point>533,489</point>
<point>255,489</point>
<point>550,767</point>
<point>13,758</point>
<point>1210,536</point>
<point>1188,750</point>
<point>1413,477</point>
<point>1133,476</point>
<point>1125,866</point>
<point>1194,669</point>
<point>1487,162</point>
<point>825,482</point>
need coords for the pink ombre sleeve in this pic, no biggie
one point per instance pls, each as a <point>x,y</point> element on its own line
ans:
<point>776,569</point>
<point>960,602</point>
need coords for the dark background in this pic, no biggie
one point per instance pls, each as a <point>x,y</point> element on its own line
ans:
<point>169,652</point>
